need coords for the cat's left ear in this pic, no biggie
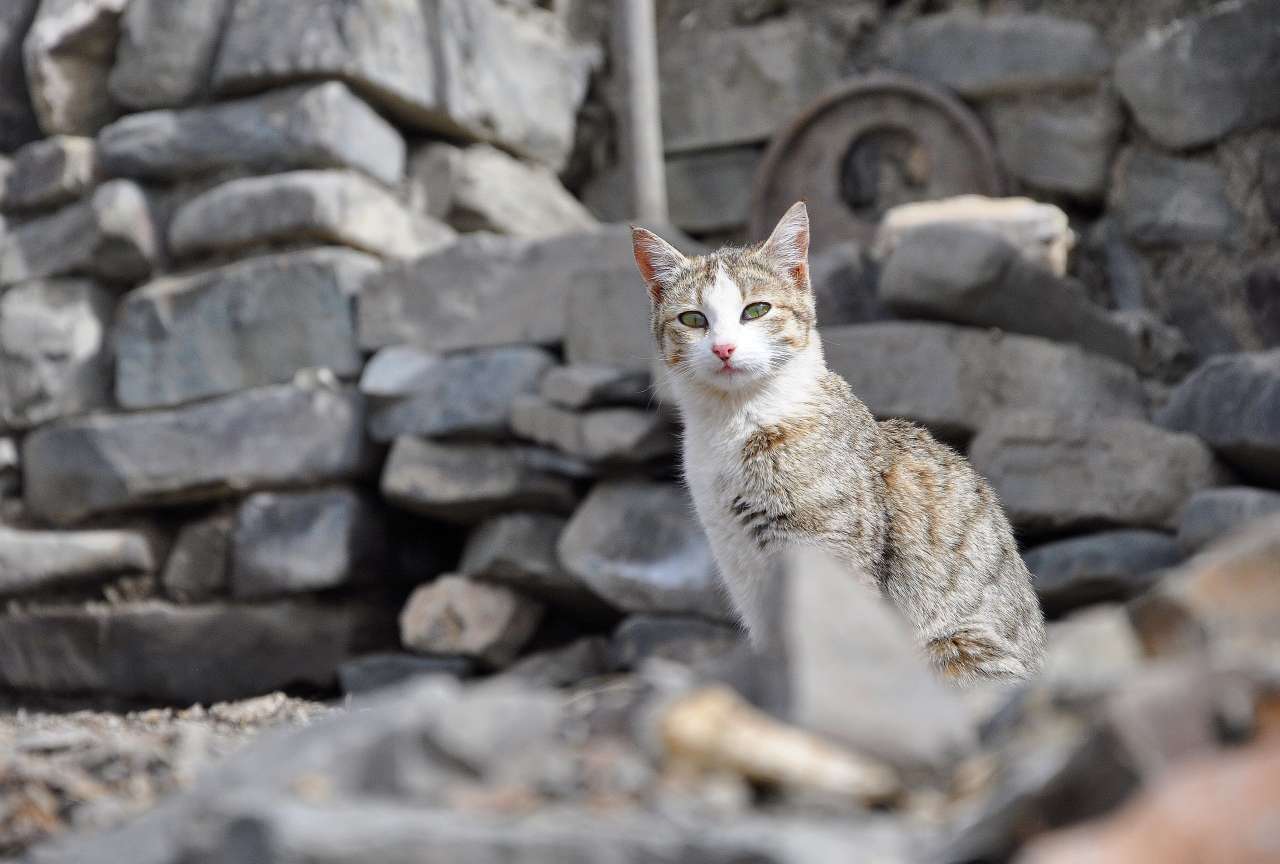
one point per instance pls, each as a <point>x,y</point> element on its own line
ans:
<point>658,261</point>
<point>788,245</point>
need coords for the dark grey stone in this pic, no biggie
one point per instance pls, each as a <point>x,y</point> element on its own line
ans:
<point>308,126</point>
<point>1213,514</point>
<point>677,638</point>
<point>49,173</point>
<point>595,385</point>
<point>599,435</point>
<point>1097,568</point>
<point>199,564</point>
<point>364,675</point>
<point>18,124</point>
<point>710,190</point>
<point>272,436</point>
<point>46,561</point>
<point>247,324</point>
<point>845,282</point>
<point>565,666</point>
<point>166,52</point>
<point>1059,145</point>
<point>1164,201</point>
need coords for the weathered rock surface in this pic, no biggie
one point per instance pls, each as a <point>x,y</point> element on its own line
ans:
<point>48,561</point>
<point>1090,652</point>
<point>710,190</point>
<point>68,54</point>
<point>256,322</point>
<point>1164,201</point>
<point>564,666</point>
<point>365,675</point>
<point>308,126</point>
<point>1204,76</point>
<point>605,435</point>
<point>739,84</point>
<point>413,392</point>
<point>1233,403</point>
<point>17,118</point>
<point>470,482</point>
<point>160,652</point>
<point>298,542</point>
<point>454,615</point>
<point>992,55</point>
<point>165,52</point>
<point>594,385</point>
<point>1056,473</point>
<point>1063,146</point>
<point>481,188</point>
<point>967,276</point>
<point>213,449</point>
<point>199,564</point>
<point>1212,514</point>
<point>339,207</point>
<point>954,379</point>
<point>845,285</point>
<point>519,550</point>
<point>678,638</point>
<point>55,352</point>
<point>49,173</point>
<point>1097,568</point>
<point>109,235</point>
<point>638,545</point>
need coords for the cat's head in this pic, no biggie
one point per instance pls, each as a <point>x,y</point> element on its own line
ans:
<point>730,320</point>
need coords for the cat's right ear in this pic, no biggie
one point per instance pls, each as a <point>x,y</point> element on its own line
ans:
<point>658,260</point>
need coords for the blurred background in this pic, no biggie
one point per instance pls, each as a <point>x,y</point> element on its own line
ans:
<point>328,409</point>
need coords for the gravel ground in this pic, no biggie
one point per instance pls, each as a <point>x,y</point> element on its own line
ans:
<point>83,770</point>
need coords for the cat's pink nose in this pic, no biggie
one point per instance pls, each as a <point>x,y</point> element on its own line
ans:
<point>723,350</point>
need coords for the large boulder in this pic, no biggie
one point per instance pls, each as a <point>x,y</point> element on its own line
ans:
<point>340,207</point>
<point>992,55</point>
<point>1212,514</point>
<point>55,350</point>
<point>299,542</point>
<point>109,235</point>
<point>1204,76</point>
<point>18,124</point>
<point>166,52</point>
<point>481,188</point>
<point>255,322</point>
<point>32,562</point>
<point>1057,473</point>
<point>49,173</point>
<point>213,449</point>
<point>68,53</point>
<point>1096,568</point>
<point>638,545</point>
<point>308,126</point>
<point>159,652</point>
<point>413,392</point>
<point>1165,201</point>
<point>454,615</point>
<point>1233,403</point>
<point>470,482</point>
<point>953,379</point>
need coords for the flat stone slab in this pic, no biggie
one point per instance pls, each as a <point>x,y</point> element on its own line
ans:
<point>1213,514</point>
<point>1097,568</point>
<point>32,562</point>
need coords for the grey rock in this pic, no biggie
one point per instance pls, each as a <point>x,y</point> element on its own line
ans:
<point>454,615</point>
<point>255,322</point>
<point>638,545</point>
<point>1164,201</point>
<point>1212,514</point>
<point>992,55</point>
<point>46,561</point>
<point>166,52</point>
<point>18,124</point>
<point>108,463</point>
<point>974,277</point>
<point>710,190</point>
<point>1205,75</point>
<point>481,188</point>
<point>471,482</point>
<point>199,564</point>
<point>1092,651</point>
<point>737,85</point>
<point>595,385</point>
<point>413,392</point>
<point>845,285</point>
<point>1108,566</point>
<point>55,353</point>
<point>299,542</point>
<point>840,662</point>
<point>68,52</point>
<point>1160,349</point>
<point>340,207</point>
<point>50,172</point>
<point>1233,403</point>
<point>954,379</point>
<point>1056,473</point>
<point>109,235</point>
<point>10,468</point>
<point>1062,145</point>
<point>364,675</point>
<point>599,435</point>
<point>1168,713</point>
<point>565,666</point>
<point>693,642</point>
<point>182,654</point>
<point>519,550</point>
<point>308,126</point>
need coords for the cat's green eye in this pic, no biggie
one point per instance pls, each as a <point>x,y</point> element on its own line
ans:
<point>693,319</point>
<point>754,311</point>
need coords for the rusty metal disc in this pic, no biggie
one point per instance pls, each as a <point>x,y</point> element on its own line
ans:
<point>875,142</point>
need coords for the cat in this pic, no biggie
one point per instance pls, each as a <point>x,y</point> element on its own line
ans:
<point>777,450</point>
